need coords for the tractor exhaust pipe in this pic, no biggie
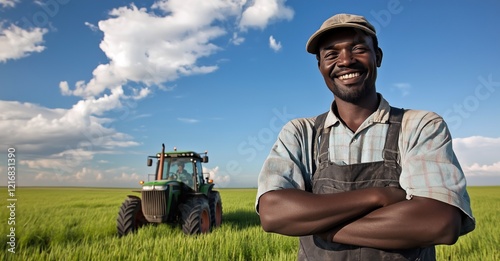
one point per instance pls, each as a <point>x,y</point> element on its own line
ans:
<point>162,158</point>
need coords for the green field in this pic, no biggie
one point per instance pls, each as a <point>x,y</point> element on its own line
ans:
<point>79,224</point>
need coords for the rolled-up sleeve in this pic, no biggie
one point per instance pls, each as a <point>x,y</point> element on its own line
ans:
<point>429,165</point>
<point>288,164</point>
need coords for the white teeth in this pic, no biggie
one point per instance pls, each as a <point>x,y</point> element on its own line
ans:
<point>349,76</point>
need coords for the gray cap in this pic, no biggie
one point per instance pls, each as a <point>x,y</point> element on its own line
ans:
<point>339,21</point>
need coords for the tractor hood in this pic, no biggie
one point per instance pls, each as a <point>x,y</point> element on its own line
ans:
<point>159,184</point>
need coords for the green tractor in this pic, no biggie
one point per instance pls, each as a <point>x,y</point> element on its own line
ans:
<point>179,195</point>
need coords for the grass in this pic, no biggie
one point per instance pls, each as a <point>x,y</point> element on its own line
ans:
<point>80,224</point>
<point>484,242</point>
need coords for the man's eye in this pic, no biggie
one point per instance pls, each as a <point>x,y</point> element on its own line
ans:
<point>359,49</point>
<point>331,55</point>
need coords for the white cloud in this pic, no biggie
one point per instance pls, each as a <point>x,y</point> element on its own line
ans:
<point>92,27</point>
<point>478,156</point>
<point>219,180</point>
<point>404,88</point>
<point>140,94</point>
<point>237,40</point>
<point>262,12</point>
<point>476,169</point>
<point>86,176</point>
<point>128,177</point>
<point>148,47</point>
<point>86,173</point>
<point>188,120</point>
<point>62,139</point>
<point>8,3</point>
<point>63,161</point>
<point>166,42</point>
<point>16,43</point>
<point>276,46</point>
<point>52,177</point>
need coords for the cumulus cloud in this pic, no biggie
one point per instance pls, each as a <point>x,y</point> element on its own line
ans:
<point>146,49</point>
<point>60,139</point>
<point>167,41</point>
<point>262,12</point>
<point>88,176</point>
<point>151,49</point>
<point>275,45</point>
<point>16,43</point>
<point>84,176</point>
<point>478,155</point>
<point>127,177</point>
<point>476,169</point>
<point>219,180</point>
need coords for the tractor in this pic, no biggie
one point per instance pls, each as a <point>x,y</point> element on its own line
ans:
<point>180,194</point>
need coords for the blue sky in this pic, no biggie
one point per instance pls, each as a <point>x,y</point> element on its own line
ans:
<point>90,88</point>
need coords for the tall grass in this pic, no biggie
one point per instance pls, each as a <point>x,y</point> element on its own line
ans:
<point>484,242</point>
<point>80,224</point>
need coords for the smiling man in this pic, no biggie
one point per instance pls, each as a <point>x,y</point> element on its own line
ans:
<point>363,181</point>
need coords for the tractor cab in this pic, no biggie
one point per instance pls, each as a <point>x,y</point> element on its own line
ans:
<point>181,166</point>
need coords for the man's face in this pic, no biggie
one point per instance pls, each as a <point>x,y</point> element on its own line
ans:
<point>348,62</point>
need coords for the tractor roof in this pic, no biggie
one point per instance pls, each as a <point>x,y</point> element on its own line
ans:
<point>175,154</point>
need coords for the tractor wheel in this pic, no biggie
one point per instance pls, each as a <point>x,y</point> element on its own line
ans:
<point>195,216</point>
<point>130,217</point>
<point>215,208</point>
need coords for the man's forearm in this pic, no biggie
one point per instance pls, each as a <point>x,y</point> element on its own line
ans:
<point>418,222</point>
<point>296,213</point>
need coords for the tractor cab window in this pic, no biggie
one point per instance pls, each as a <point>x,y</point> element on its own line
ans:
<point>180,170</point>
<point>199,171</point>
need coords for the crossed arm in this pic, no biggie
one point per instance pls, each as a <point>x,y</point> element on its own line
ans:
<point>373,217</point>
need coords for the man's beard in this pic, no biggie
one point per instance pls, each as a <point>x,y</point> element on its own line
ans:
<point>352,96</point>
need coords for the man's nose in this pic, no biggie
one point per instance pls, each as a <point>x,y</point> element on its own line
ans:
<point>345,58</point>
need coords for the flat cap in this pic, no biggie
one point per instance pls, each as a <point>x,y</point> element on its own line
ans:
<point>339,21</point>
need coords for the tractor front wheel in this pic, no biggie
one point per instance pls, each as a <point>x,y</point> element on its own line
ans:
<point>215,208</point>
<point>130,216</point>
<point>195,216</point>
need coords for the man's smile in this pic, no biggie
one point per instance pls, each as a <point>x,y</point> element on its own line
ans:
<point>349,76</point>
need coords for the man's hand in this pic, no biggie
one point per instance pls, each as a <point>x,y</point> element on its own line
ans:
<point>295,212</point>
<point>387,196</point>
<point>418,222</point>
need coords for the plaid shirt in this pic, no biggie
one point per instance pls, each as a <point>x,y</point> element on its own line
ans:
<point>429,166</point>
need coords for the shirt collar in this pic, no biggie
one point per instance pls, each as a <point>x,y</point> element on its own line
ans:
<point>381,115</point>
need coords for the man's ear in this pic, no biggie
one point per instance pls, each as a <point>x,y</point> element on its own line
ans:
<point>378,55</point>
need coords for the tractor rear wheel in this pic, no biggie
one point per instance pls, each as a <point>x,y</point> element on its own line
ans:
<point>215,208</point>
<point>130,216</point>
<point>195,216</point>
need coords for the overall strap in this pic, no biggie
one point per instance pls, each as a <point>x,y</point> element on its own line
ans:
<point>391,150</point>
<point>319,124</point>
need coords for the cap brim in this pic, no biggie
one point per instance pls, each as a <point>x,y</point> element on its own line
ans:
<point>312,43</point>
